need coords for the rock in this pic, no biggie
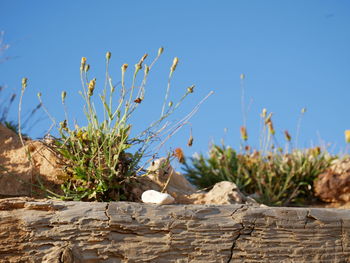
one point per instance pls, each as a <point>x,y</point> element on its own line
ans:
<point>164,176</point>
<point>334,184</point>
<point>57,231</point>
<point>185,193</point>
<point>222,193</point>
<point>161,170</point>
<point>18,176</point>
<point>155,197</point>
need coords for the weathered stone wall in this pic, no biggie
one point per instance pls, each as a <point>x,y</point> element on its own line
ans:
<point>55,231</point>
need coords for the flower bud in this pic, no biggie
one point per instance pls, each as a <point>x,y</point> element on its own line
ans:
<point>271,129</point>
<point>24,83</point>
<point>63,96</point>
<point>242,76</point>
<point>124,67</point>
<point>178,153</point>
<point>108,55</point>
<point>160,51</point>
<point>190,141</point>
<point>190,89</point>
<point>287,136</point>
<point>91,87</point>
<point>174,65</point>
<point>244,134</point>
<point>144,57</point>
<point>268,119</point>
<point>347,136</point>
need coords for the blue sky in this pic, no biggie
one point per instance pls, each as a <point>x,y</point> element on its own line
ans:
<point>294,54</point>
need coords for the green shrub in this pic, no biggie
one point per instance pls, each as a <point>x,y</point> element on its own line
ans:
<point>273,175</point>
<point>102,160</point>
<point>274,178</point>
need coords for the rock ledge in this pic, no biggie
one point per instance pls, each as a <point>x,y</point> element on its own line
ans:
<point>57,231</point>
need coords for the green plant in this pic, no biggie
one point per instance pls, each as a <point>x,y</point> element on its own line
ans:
<point>223,164</point>
<point>274,179</point>
<point>273,175</point>
<point>102,160</point>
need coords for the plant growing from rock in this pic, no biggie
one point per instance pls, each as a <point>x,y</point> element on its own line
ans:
<point>102,160</point>
<point>272,175</point>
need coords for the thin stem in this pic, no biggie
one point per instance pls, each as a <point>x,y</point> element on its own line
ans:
<point>166,94</point>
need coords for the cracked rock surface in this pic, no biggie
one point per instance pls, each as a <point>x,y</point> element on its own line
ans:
<point>57,231</point>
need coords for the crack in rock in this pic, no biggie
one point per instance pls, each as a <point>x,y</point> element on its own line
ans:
<point>241,232</point>
<point>106,212</point>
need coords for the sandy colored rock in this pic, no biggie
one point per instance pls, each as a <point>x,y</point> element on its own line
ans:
<point>56,231</point>
<point>334,184</point>
<point>223,193</point>
<point>18,177</point>
<point>185,193</point>
<point>161,170</point>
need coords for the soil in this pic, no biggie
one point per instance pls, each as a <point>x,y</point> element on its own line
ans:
<point>25,166</point>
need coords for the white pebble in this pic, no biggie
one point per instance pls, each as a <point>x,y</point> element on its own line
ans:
<point>155,197</point>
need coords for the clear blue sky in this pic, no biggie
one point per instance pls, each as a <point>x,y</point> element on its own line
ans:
<point>294,54</point>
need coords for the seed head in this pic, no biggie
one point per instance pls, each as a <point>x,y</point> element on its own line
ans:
<point>174,65</point>
<point>190,89</point>
<point>138,66</point>
<point>124,67</point>
<point>271,129</point>
<point>63,96</point>
<point>190,141</point>
<point>264,113</point>
<point>287,136</point>
<point>63,125</point>
<point>91,87</point>
<point>170,104</point>
<point>347,136</point>
<point>87,67</point>
<point>242,76</point>
<point>82,64</point>
<point>144,57</point>
<point>178,153</point>
<point>138,100</point>
<point>303,110</point>
<point>160,51</point>
<point>24,83</point>
<point>268,119</point>
<point>39,95</point>
<point>316,151</point>
<point>108,55</point>
<point>244,134</point>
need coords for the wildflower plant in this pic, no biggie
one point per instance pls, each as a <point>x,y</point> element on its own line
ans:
<point>274,176</point>
<point>102,160</point>
<point>273,179</point>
